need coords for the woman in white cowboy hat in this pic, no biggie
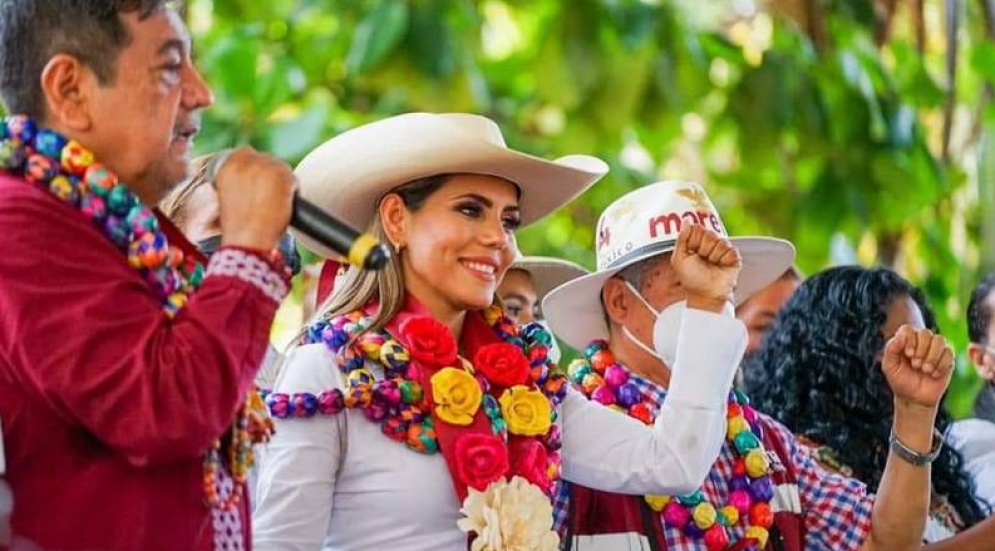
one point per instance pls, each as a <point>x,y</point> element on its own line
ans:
<point>414,415</point>
<point>527,282</point>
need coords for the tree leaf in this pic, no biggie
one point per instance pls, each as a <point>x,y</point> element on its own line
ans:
<point>294,134</point>
<point>377,35</point>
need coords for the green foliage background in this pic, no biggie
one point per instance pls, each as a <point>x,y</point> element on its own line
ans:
<point>858,129</point>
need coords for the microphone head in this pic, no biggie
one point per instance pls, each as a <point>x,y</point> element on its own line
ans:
<point>377,258</point>
<point>367,253</point>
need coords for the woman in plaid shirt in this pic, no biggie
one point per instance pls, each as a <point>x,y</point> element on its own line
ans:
<point>818,373</point>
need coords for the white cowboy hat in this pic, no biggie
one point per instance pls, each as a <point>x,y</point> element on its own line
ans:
<point>547,272</point>
<point>642,224</point>
<point>348,174</point>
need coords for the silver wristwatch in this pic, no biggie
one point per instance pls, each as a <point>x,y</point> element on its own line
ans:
<point>912,456</point>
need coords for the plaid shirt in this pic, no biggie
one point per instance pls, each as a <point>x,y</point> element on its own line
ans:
<point>837,509</point>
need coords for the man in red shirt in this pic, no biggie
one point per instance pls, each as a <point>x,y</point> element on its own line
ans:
<point>124,364</point>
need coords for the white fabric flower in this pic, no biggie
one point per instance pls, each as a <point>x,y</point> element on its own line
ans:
<point>509,516</point>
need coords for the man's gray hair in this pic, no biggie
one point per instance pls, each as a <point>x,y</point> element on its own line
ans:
<point>636,274</point>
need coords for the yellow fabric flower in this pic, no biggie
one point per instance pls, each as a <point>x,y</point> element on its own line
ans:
<point>757,463</point>
<point>735,426</point>
<point>526,411</point>
<point>731,513</point>
<point>758,533</point>
<point>457,396</point>
<point>704,515</point>
<point>657,503</point>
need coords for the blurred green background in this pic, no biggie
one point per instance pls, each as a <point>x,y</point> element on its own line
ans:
<point>859,129</point>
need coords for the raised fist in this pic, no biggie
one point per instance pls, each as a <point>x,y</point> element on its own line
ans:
<point>918,366</point>
<point>707,264</point>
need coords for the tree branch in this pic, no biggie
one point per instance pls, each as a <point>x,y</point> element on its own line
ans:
<point>988,9</point>
<point>919,24</point>
<point>952,8</point>
<point>885,11</point>
<point>816,25</point>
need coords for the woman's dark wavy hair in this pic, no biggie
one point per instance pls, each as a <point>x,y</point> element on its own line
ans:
<point>818,371</point>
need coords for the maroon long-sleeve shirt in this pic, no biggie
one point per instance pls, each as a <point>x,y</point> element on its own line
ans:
<point>107,405</point>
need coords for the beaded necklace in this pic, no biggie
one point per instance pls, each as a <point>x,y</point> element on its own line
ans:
<point>69,171</point>
<point>604,380</point>
<point>398,402</point>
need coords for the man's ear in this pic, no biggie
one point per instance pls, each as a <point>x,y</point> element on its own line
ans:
<point>68,88</point>
<point>395,217</point>
<point>617,300</point>
<point>976,353</point>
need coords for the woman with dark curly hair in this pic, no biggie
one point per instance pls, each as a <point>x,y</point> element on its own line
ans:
<point>818,372</point>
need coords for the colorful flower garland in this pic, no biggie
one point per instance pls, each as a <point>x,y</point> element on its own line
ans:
<point>519,367</point>
<point>69,171</point>
<point>497,414</point>
<point>603,380</point>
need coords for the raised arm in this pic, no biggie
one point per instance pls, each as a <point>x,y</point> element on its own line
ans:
<point>607,451</point>
<point>152,388</point>
<point>918,366</point>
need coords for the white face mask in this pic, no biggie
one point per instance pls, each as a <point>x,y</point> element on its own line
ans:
<point>665,330</point>
<point>554,349</point>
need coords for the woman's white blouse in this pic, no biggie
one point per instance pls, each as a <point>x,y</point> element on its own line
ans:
<point>337,483</point>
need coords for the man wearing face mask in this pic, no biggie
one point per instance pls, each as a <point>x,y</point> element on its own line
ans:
<point>764,492</point>
<point>527,282</point>
<point>193,207</point>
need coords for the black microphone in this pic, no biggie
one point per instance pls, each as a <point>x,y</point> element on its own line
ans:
<point>360,249</point>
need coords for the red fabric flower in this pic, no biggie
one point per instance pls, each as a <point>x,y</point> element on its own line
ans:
<point>502,363</point>
<point>480,460</point>
<point>429,342</point>
<point>530,461</point>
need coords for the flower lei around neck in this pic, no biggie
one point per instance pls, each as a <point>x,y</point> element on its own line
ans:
<point>605,381</point>
<point>510,383</point>
<point>69,171</point>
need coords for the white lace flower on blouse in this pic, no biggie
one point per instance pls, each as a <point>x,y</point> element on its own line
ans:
<point>509,516</point>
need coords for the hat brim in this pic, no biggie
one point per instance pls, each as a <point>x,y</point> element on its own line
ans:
<point>575,315</point>
<point>351,188</point>
<point>548,273</point>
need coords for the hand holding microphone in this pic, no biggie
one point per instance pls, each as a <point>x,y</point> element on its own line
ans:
<point>255,195</point>
<point>258,200</point>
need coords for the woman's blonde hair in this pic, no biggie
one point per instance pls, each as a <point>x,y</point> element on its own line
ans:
<point>357,288</point>
<point>174,204</point>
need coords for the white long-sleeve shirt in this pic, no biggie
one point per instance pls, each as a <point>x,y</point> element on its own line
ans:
<point>337,483</point>
<point>975,440</point>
